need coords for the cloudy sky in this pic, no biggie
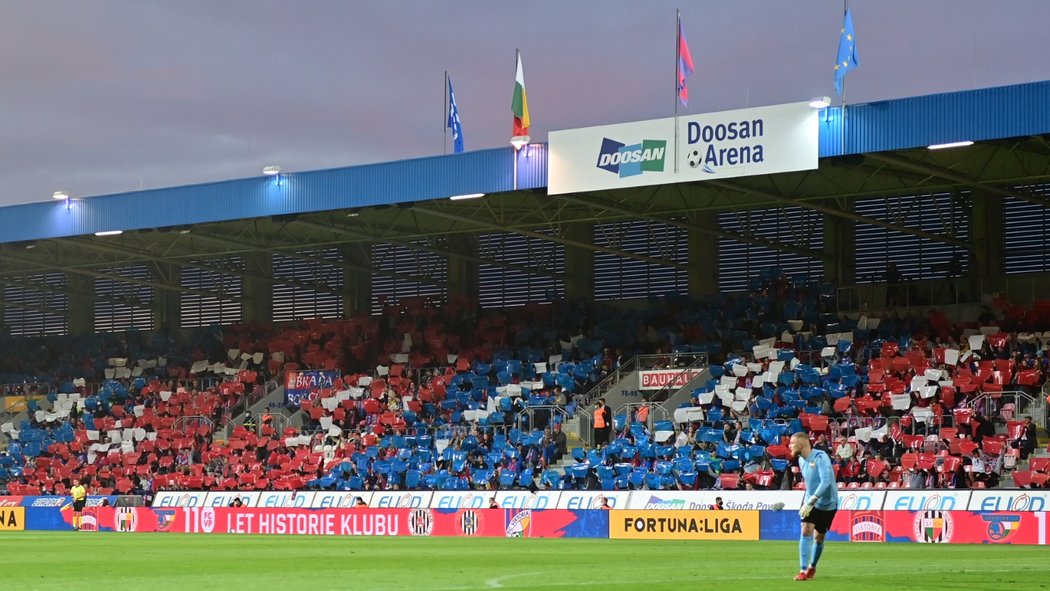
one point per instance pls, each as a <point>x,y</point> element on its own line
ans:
<point>107,96</point>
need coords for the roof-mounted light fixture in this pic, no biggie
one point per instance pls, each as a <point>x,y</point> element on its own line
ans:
<point>961,144</point>
<point>63,196</point>
<point>820,102</point>
<point>274,171</point>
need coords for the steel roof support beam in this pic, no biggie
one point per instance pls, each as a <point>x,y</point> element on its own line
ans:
<point>559,239</point>
<point>41,309</point>
<point>298,256</point>
<point>842,214</point>
<point>198,264</point>
<point>694,228</point>
<point>430,249</point>
<point>96,274</point>
<point>20,281</point>
<point>958,178</point>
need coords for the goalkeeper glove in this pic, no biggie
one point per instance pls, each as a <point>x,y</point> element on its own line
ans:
<point>807,508</point>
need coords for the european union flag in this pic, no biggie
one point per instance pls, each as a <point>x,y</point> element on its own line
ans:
<point>453,121</point>
<point>847,57</point>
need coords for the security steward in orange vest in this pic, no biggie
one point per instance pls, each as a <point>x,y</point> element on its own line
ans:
<point>602,423</point>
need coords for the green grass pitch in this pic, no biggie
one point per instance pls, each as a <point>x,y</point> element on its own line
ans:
<point>87,560</point>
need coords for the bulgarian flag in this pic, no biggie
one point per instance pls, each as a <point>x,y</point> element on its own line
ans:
<point>520,104</point>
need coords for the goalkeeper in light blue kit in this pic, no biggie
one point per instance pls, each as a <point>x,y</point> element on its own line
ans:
<point>819,507</point>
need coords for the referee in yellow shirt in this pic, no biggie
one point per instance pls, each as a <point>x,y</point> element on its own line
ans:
<point>79,500</point>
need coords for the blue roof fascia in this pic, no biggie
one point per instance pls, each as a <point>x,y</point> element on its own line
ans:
<point>916,122</point>
<point>421,179</point>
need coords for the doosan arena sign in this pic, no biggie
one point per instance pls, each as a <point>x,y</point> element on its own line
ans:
<point>744,142</point>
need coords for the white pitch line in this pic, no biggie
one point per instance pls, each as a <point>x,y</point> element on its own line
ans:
<point>497,583</point>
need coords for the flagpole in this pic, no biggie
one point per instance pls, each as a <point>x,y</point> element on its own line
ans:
<point>517,60</point>
<point>677,55</point>
<point>843,115</point>
<point>677,60</point>
<point>445,117</point>
<point>845,9</point>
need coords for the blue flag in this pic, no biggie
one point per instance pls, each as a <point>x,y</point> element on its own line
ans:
<point>453,121</point>
<point>847,57</point>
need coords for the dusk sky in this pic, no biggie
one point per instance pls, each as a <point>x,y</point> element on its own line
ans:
<point>107,96</point>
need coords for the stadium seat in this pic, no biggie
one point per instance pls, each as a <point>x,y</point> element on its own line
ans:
<point>1022,478</point>
<point>1039,464</point>
<point>992,447</point>
<point>908,460</point>
<point>729,481</point>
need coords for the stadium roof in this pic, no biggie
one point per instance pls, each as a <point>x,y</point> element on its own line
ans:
<point>882,152</point>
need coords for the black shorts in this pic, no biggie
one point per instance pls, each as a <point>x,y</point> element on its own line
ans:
<point>78,506</point>
<point>820,519</point>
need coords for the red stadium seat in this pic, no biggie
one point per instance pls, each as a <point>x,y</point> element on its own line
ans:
<point>778,451</point>
<point>875,467</point>
<point>992,447</point>
<point>818,424</point>
<point>730,481</point>
<point>1022,478</point>
<point>951,464</point>
<point>909,460</point>
<point>926,461</point>
<point>913,441</point>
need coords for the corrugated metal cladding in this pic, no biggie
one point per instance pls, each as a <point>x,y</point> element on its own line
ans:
<point>985,114</point>
<point>532,167</point>
<point>977,115</point>
<point>437,177</point>
<point>830,134</point>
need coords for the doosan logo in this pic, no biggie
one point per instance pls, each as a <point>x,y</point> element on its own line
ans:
<point>656,502</point>
<point>632,160</point>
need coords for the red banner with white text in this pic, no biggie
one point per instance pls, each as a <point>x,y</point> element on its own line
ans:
<point>552,523</point>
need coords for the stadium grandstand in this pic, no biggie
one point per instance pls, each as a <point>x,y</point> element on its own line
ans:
<point>373,328</point>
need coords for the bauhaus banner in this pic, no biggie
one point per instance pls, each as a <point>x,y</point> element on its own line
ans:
<point>744,142</point>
